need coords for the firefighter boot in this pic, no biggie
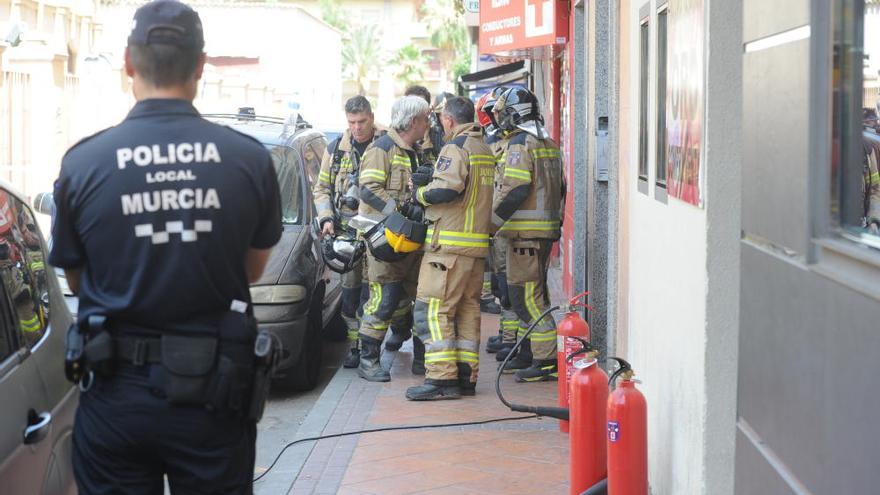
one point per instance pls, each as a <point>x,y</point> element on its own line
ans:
<point>490,306</point>
<point>522,360</point>
<point>354,356</point>
<point>370,369</point>
<point>468,388</point>
<point>418,362</point>
<point>493,339</point>
<point>435,390</point>
<point>397,338</point>
<point>541,370</point>
<point>503,350</point>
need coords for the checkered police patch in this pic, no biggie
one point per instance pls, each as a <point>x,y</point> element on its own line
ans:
<point>443,163</point>
<point>513,157</point>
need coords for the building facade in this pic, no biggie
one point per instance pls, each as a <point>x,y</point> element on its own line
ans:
<point>721,161</point>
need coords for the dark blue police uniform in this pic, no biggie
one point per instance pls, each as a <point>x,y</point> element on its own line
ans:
<point>159,212</point>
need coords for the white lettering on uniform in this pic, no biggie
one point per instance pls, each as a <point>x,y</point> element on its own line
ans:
<point>174,153</point>
<point>123,156</point>
<point>170,199</point>
<point>184,153</point>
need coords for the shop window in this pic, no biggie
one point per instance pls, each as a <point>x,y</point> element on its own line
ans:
<point>644,47</point>
<point>660,172</point>
<point>855,164</point>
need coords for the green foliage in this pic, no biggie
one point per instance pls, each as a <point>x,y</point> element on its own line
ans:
<point>410,64</point>
<point>360,53</point>
<point>449,35</point>
<point>333,14</point>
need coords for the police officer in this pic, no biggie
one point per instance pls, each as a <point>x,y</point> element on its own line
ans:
<point>385,175</point>
<point>528,211</point>
<point>458,204</point>
<point>337,199</point>
<point>163,269</point>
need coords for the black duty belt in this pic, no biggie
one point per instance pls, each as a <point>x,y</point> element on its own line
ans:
<point>138,350</point>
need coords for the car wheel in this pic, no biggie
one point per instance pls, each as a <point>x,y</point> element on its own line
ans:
<point>305,373</point>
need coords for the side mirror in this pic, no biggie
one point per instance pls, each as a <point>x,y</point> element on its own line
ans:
<point>44,203</point>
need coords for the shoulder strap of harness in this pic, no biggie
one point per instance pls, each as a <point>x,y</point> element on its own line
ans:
<point>384,143</point>
<point>519,138</point>
<point>459,141</point>
<point>337,157</point>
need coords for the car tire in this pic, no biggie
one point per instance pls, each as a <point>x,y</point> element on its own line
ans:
<point>303,376</point>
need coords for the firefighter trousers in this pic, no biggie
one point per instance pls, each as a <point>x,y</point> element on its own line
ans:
<point>447,316</point>
<point>509,320</point>
<point>352,285</point>
<point>391,290</point>
<point>527,263</point>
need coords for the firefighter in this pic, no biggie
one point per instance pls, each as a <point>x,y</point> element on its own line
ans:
<point>527,210</point>
<point>385,175</point>
<point>336,200</point>
<point>431,144</point>
<point>447,308</point>
<point>497,140</point>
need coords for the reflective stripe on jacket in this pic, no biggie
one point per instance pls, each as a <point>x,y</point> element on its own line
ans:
<point>529,196</point>
<point>333,183</point>
<point>386,168</point>
<point>459,198</point>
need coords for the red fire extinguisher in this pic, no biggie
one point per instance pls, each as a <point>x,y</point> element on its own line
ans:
<point>589,399</point>
<point>569,330</point>
<point>627,435</point>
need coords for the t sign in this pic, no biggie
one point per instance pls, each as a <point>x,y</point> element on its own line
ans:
<point>539,18</point>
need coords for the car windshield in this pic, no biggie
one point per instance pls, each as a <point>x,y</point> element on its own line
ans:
<point>287,168</point>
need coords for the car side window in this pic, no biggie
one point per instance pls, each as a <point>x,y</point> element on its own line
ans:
<point>23,269</point>
<point>312,153</point>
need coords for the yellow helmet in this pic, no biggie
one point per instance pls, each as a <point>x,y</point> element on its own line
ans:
<point>394,237</point>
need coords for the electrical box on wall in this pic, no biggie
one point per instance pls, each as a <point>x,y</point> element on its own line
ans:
<point>601,158</point>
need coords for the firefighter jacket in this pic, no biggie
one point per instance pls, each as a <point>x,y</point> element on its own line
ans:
<point>385,172</point>
<point>528,200</point>
<point>458,200</point>
<point>340,161</point>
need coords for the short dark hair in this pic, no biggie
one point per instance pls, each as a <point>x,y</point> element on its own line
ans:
<point>461,109</point>
<point>164,65</point>
<point>358,104</point>
<point>416,90</point>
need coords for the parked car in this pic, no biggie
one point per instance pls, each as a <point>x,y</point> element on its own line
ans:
<point>39,403</point>
<point>296,298</point>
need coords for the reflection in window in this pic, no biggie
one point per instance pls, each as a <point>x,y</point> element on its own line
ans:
<point>661,98</point>
<point>643,100</point>
<point>287,168</point>
<point>856,131</point>
<point>22,269</point>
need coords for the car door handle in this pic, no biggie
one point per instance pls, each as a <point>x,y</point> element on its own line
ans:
<point>38,427</point>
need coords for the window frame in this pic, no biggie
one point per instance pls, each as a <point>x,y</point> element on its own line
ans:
<point>661,74</point>
<point>644,43</point>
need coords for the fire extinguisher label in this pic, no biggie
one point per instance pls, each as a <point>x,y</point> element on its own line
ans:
<point>613,431</point>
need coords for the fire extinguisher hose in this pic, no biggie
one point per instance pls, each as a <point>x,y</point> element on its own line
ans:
<point>553,412</point>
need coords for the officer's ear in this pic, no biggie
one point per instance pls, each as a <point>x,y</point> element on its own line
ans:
<point>129,68</point>
<point>200,65</point>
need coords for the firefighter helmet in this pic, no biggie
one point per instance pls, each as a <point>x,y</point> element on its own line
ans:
<point>341,252</point>
<point>516,107</point>
<point>489,105</point>
<point>482,117</point>
<point>394,237</point>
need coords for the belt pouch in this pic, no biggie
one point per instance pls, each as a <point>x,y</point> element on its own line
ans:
<point>187,367</point>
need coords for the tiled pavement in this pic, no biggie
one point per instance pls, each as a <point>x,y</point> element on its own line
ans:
<point>518,457</point>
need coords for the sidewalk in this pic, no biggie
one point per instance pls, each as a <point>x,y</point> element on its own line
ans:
<point>517,457</point>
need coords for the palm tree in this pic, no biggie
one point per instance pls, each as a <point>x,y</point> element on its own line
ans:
<point>410,64</point>
<point>448,32</point>
<point>360,54</point>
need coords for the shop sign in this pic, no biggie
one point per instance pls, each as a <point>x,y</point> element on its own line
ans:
<point>684,101</point>
<point>472,6</point>
<point>516,24</point>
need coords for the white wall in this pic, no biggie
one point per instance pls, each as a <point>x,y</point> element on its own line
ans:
<point>682,272</point>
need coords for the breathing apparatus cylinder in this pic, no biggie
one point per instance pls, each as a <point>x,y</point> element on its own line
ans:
<point>589,398</point>
<point>627,416</point>
<point>568,332</point>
